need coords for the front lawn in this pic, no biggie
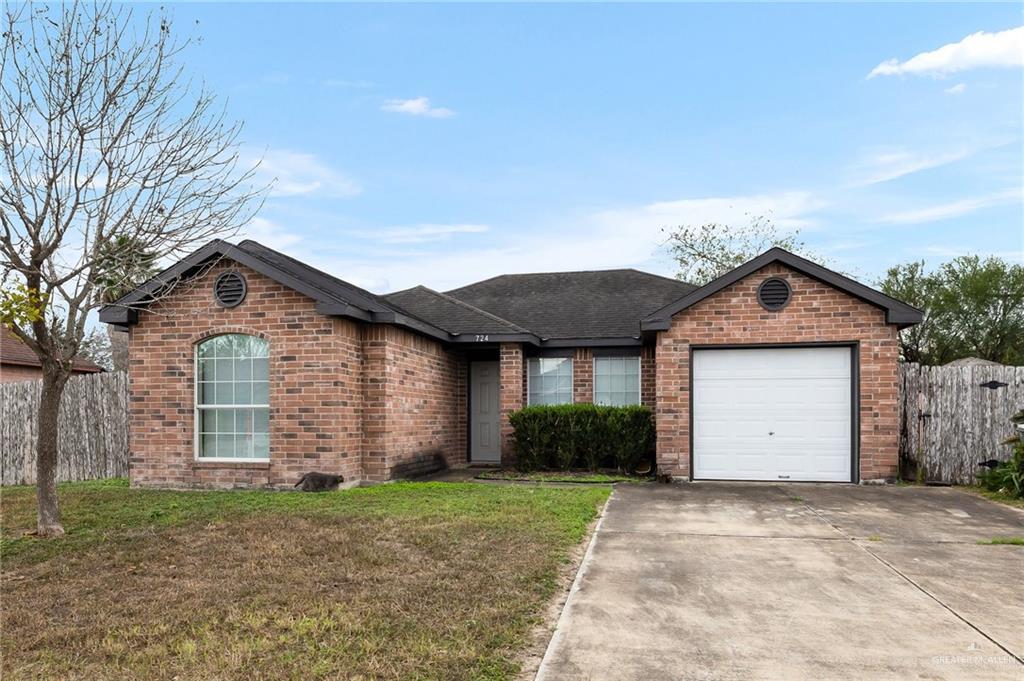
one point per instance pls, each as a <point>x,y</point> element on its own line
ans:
<point>410,580</point>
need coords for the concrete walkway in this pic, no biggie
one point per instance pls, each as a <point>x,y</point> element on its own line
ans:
<point>817,582</point>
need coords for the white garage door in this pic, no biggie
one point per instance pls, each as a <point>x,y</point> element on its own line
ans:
<point>772,414</point>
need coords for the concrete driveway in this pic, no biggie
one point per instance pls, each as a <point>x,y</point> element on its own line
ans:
<point>818,582</point>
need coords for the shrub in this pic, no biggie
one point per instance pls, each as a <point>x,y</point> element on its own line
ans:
<point>581,435</point>
<point>1008,476</point>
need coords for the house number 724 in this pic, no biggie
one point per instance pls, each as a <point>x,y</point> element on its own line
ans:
<point>481,339</point>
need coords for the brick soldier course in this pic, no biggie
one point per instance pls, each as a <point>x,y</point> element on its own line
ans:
<point>377,387</point>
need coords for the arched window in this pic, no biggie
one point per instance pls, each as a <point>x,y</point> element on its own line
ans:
<point>232,398</point>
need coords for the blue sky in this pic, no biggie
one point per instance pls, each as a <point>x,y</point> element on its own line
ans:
<point>445,144</point>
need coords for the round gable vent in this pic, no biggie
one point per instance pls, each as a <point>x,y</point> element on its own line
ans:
<point>774,294</point>
<point>229,289</point>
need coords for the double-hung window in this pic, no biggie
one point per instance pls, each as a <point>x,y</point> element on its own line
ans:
<point>233,398</point>
<point>617,380</point>
<point>549,380</point>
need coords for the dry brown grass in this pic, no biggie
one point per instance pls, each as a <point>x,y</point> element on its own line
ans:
<point>297,589</point>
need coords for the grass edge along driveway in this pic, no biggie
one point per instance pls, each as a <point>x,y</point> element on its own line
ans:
<point>408,580</point>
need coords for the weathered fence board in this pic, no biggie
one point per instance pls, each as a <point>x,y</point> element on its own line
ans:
<point>92,431</point>
<point>950,422</point>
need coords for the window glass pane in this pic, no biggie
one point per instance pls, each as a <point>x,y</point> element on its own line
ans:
<point>243,393</point>
<point>243,445</point>
<point>261,446</point>
<point>208,421</point>
<point>261,420</point>
<point>550,380</point>
<point>243,420</point>
<point>208,445</point>
<point>223,370</point>
<point>617,380</point>
<point>226,368</point>
<point>223,393</point>
<point>225,446</point>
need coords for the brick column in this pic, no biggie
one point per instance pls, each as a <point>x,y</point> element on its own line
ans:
<point>583,376</point>
<point>511,398</point>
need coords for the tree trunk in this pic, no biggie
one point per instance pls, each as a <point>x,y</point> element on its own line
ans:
<point>48,509</point>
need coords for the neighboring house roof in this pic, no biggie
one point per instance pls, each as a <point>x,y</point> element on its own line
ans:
<point>563,305</point>
<point>14,352</point>
<point>972,362</point>
<point>605,307</point>
<point>896,312</point>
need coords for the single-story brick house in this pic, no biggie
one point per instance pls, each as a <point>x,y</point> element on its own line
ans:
<point>254,368</point>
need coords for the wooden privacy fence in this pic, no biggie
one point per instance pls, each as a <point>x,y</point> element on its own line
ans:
<point>954,417</point>
<point>92,431</point>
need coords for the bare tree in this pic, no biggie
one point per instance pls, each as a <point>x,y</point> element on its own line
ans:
<point>706,252</point>
<point>104,143</point>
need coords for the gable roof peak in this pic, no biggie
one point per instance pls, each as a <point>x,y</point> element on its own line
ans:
<point>896,311</point>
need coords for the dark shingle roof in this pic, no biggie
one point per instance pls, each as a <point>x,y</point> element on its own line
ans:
<point>450,314</point>
<point>559,305</point>
<point>597,304</point>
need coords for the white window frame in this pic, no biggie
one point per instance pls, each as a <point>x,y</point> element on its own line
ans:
<point>572,379</point>
<point>639,378</point>
<point>199,408</point>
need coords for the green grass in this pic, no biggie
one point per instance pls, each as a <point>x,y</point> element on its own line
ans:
<point>561,476</point>
<point>996,496</point>
<point>409,580</point>
<point>999,541</point>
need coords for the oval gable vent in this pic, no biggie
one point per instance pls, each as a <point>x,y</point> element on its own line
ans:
<point>774,294</point>
<point>229,289</point>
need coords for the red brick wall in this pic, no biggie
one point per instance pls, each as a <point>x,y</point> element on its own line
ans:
<point>315,385</point>
<point>415,403</point>
<point>817,312</point>
<point>583,375</point>
<point>323,371</point>
<point>513,385</point>
<point>647,376</point>
<point>13,373</point>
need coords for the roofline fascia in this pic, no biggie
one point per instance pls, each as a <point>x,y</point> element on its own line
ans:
<point>479,338</point>
<point>620,341</point>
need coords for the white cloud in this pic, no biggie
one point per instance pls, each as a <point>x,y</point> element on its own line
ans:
<point>418,106</point>
<point>628,236</point>
<point>293,173</point>
<point>422,233</point>
<point>942,251</point>
<point>269,233</point>
<point>953,209</point>
<point>884,164</point>
<point>957,89</point>
<point>981,49</point>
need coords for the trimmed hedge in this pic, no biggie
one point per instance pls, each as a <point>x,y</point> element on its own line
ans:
<point>566,436</point>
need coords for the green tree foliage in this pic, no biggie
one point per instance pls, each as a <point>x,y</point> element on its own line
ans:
<point>972,307</point>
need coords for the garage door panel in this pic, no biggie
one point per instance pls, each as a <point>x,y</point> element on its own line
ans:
<point>772,413</point>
